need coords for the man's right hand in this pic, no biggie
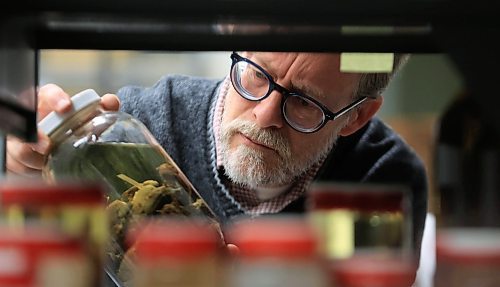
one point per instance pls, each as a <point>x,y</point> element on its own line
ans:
<point>27,159</point>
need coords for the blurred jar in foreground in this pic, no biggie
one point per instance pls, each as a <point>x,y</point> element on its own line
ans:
<point>466,166</point>
<point>468,257</point>
<point>355,219</point>
<point>43,257</point>
<point>373,271</point>
<point>175,253</point>
<point>115,148</point>
<point>74,209</point>
<point>274,252</point>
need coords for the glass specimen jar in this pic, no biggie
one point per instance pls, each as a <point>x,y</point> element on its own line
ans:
<point>38,256</point>
<point>73,210</point>
<point>142,180</point>
<point>361,218</point>
<point>275,251</point>
<point>467,256</point>
<point>175,252</point>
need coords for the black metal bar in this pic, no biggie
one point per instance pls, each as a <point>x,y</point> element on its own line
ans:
<point>3,154</point>
<point>207,42</point>
<point>460,28</point>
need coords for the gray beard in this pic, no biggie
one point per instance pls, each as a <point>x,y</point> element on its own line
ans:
<point>251,168</point>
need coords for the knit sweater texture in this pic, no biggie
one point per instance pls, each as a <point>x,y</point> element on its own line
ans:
<point>179,112</point>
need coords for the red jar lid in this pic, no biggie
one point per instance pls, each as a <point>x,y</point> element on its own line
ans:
<point>282,237</point>
<point>367,271</point>
<point>174,238</point>
<point>364,197</point>
<point>38,193</point>
<point>468,246</point>
<point>38,239</point>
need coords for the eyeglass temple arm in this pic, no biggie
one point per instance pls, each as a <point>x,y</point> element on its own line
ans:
<point>349,107</point>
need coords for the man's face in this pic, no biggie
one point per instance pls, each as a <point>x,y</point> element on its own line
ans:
<point>258,147</point>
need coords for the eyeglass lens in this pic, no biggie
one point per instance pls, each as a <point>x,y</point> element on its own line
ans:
<point>253,81</point>
<point>253,84</point>
<point>301,112</point>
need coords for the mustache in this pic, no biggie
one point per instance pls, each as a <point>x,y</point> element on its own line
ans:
<point>267,137</point>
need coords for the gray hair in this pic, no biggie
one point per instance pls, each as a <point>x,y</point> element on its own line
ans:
<point>372,84</point>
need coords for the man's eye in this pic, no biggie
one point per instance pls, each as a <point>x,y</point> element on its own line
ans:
<point>259,75</point>
<point>304,103</point>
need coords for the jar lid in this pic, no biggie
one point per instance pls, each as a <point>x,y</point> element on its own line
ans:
<point>173,238</point>
<point>280,237</point>
<point>469,246</point>
<point>365,270</point>
<point>364,197</point>
<point>40,239</point>
<point>38,194</point>
<point>80,101</point>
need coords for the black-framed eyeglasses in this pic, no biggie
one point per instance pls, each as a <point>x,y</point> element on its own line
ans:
<point>303,113</point>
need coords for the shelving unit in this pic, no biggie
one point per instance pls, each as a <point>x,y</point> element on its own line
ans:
<point>465,30</point>
<point>460,28</point>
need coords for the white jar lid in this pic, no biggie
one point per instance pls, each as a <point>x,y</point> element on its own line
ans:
<point>80,101</point>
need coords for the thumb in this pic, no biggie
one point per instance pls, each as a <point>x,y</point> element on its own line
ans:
<point>110,102</point>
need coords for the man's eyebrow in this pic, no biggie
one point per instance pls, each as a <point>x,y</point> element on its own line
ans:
<point>295,87</point>
<point>307,90</point>
<point>258,60</point>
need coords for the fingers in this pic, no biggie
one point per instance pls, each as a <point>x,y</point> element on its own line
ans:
<point>26,158</point>
<point>42,145</point>
<point>16,168</point>
<point>110,102</point>
<point>52,98</point>
<point>232,249</point>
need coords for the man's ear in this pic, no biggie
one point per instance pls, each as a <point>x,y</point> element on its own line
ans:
<point>361,115</point>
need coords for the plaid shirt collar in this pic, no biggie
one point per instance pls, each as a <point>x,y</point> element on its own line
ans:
<point>247,197</point>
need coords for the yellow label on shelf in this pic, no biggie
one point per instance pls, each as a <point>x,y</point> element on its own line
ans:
<point>99,225</point>
<point>15,216</point>
<point>335,230</point>
<point>74,219</point>
<point>366,62</point>
<point>340,236</point>
<point>78,220</point>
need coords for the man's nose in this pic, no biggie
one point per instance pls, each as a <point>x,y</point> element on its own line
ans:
<point>267,113</point>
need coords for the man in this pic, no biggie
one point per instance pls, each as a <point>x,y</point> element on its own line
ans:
<point>254,142</point>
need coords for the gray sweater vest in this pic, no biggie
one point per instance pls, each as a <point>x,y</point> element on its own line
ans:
<point>178,110</point>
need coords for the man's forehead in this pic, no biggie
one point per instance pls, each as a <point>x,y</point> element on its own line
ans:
<point>313,72</point>
<point>271,59</point>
